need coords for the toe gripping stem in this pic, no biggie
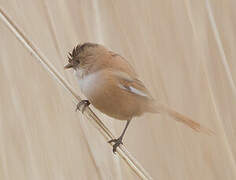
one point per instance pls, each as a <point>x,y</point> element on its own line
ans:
<point>82,105</point>
<point>116,144</point>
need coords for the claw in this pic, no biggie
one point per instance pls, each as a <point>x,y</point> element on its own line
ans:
<point>117,143</point>
<point>83,104</point>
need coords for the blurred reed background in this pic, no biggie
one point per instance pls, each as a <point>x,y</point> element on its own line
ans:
<point>182,50</point>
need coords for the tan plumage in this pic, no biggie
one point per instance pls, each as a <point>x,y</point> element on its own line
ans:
<point>112,86</point>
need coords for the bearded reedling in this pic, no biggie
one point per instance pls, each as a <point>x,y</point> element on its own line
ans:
<point>112,86</point>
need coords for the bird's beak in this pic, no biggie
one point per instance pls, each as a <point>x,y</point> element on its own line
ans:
<point>68,66</point>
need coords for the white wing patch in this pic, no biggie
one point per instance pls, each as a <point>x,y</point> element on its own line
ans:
<point>133,90</point>
<point>138,92</point>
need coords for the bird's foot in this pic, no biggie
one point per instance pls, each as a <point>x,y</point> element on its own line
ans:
<point>117,143</point>
<point>82,105</point>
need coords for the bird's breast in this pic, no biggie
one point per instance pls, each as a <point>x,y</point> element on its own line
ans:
<point>87,83</point>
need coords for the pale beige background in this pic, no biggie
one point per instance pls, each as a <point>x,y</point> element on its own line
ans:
<point>177,53</point>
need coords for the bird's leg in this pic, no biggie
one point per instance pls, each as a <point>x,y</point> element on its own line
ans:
<point>83,104</point>
<point>119,140</point>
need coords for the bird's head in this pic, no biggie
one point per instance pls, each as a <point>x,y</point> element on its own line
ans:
<point>81,55</point>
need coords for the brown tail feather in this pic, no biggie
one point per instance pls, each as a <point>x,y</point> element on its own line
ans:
<point>183,119</point>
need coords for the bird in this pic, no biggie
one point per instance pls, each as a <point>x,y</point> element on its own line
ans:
<point>113,87</point>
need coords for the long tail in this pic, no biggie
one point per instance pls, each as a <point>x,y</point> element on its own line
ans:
<point>161,108</point>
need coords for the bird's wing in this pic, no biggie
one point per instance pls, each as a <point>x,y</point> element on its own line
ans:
<point>131,84</point>
<point>120,64</point>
